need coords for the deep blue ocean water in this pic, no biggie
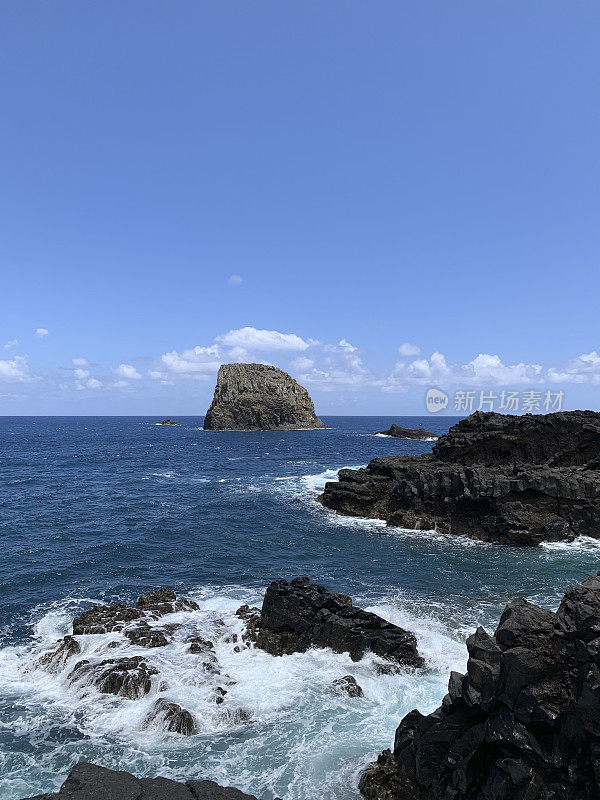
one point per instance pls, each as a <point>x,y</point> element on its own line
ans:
<point>97,509</point>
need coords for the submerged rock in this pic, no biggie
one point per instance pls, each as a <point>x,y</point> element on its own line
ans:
<point>348,685</point>
<point>511,479</point>
<point>258,397</point>
<point>522,724</point>
<point>90,782</point>
<point>408,433</point>
<point>174,718</point>
<point>298,615</point>
<point>127,677</point>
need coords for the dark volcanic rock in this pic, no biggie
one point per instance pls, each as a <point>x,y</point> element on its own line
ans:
<point>169,422</point>
<point>518,480</point>
<point>164,601</point>
<point>90,782</point>
<point>298,615</point>
<point>128,677</point>
<point>105,619</point>
<point>117,617</point>
<point>408,433</point>
<point>54,660</point>
<point>251,397</point>
<point>174,718</point>
<point>522,724</point>
<point>348,685</point>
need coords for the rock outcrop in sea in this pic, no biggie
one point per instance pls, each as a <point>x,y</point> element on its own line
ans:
<point>512,479</point>
<point>258,397</point>
<point>298,615</point>
<point>408,433</point>
<point>91,782</point>
<point>522,724</point>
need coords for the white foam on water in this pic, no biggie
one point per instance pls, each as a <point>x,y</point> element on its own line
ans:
<point>582,544</point>
<point>302,740</point>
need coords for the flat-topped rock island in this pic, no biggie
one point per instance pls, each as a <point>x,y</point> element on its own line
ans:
<point>259,397</point>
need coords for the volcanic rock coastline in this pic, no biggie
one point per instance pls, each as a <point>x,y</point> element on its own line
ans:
<point>91,782</point>
<point>511,479</point>
<point>258,397</point>
<point>523,723</point>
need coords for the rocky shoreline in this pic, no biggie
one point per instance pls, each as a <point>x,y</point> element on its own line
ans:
<point>509,479</point>
<point>523,723</point>
<point>91,782</point>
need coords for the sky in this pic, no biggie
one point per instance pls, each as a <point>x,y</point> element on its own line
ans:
<point>380,198</point>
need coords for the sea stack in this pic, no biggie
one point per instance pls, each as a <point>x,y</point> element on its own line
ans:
<point>259,397</point>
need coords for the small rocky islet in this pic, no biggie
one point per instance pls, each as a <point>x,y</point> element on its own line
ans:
<point>398,432</point>
<point>512,479</point>
<point>259,397</point>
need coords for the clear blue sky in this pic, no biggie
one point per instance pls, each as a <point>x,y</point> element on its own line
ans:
<point>355,176</point>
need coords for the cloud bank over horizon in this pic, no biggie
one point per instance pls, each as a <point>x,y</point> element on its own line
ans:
<point>337,370</point>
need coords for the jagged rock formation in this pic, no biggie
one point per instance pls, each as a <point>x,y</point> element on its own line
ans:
<point>408,433</point>
<point>258,397</point>
<point>522,724</point>
<point>168,422</point>
<point>90,782</point>
<point>495,477</point>
<point>298,615</point>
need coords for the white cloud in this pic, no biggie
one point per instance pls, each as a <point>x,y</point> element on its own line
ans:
<point>92,383</point>
<point>80,362</point>
<point>10,344</point>
<point>408,349</point>
<point>200,362</point>
<point>235,280</point>
<point>41,332</point>
<point>127,371</point>
<point>120,384</point>
<point>81,374</point>
<point>16,370</point>
<point>483,370</point>
<point>253,339</point>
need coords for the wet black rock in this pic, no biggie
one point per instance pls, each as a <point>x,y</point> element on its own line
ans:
<point>298,615</point>
<point>164,601</point>
<point>169,422</point>
<point>128,677</point>
<point>200,645</point>
<point>145,635</point>
<point>408,433</point>
<point>105,619</point>
<point>516,480</point>
<point>173,717</point>
<point>522,724</point>
<point>90,782</point>
<point>348,685</point>
<point>55,659</point>
<point>258,397</point>
<point>116,617</point>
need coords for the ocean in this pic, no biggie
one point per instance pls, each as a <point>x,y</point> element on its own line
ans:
<point>100,509</point>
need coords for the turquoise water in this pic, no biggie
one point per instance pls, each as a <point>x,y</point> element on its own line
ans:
<point>102,509</point>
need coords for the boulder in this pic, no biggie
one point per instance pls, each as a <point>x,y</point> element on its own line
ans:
<point>90,782</point>
<point>298,615</point>
<point>173,717</point>
<point>523,723</point>
<point>349,686</point>
<point>127,677</point>
<point>494,477</point>
<point>55,659</point>
<point>258,397</point>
